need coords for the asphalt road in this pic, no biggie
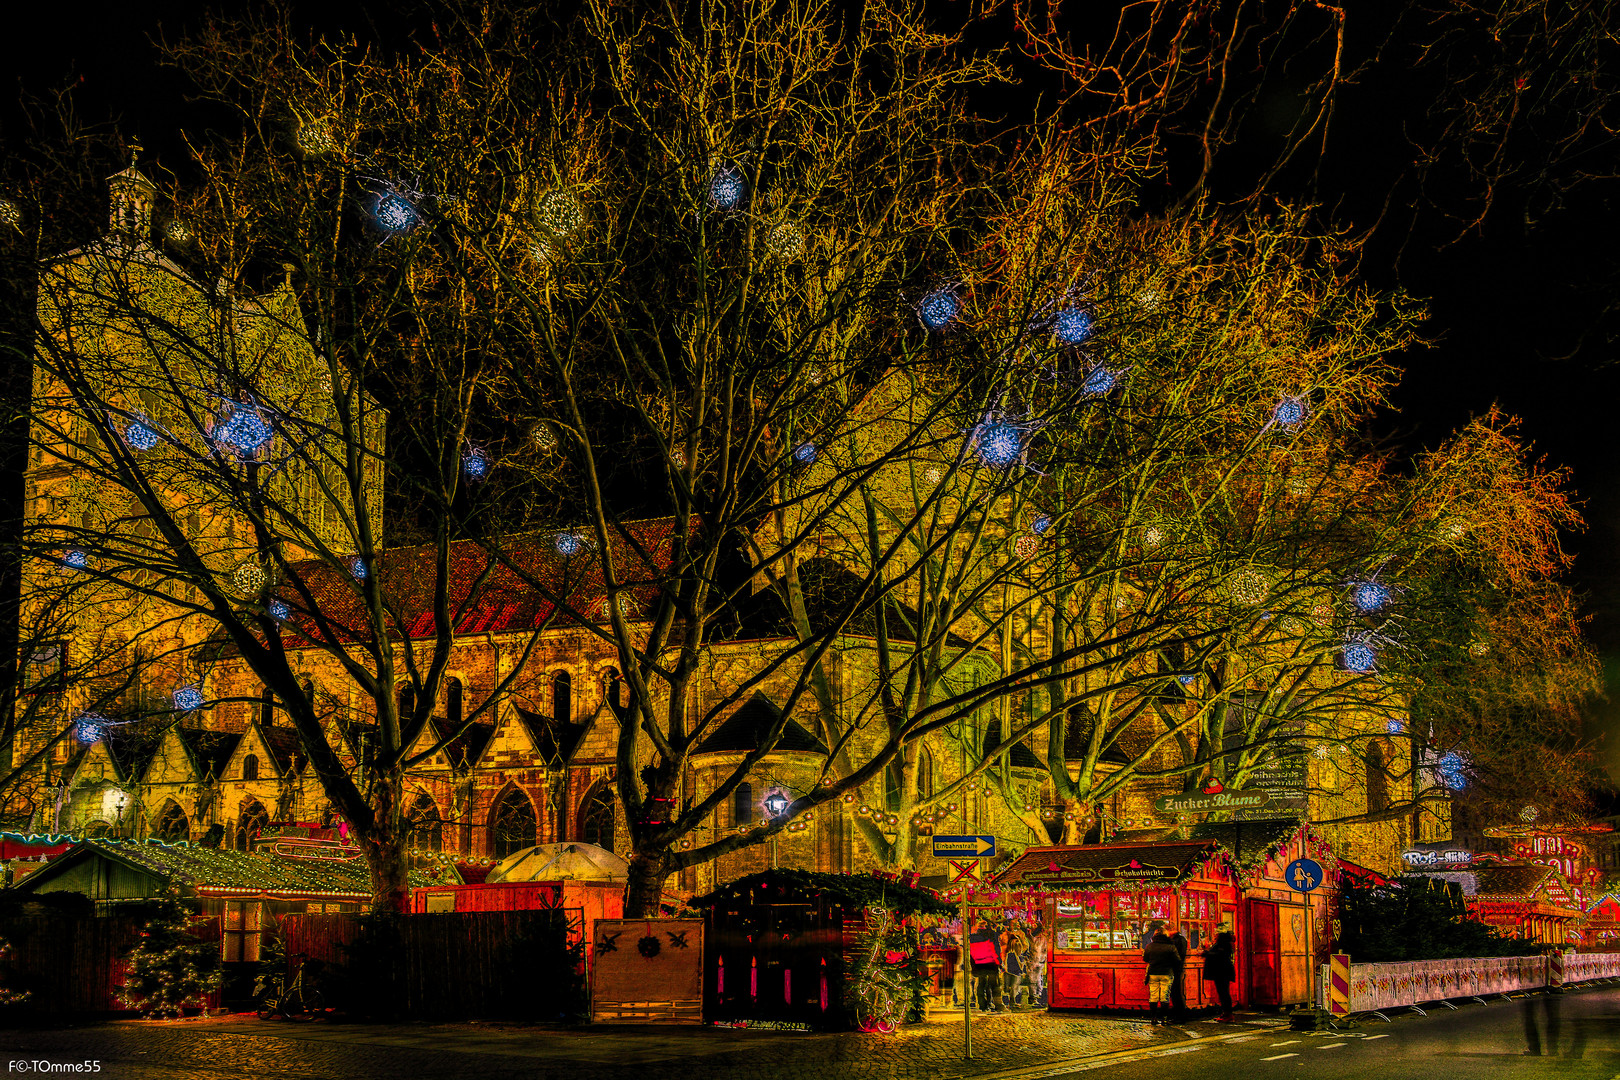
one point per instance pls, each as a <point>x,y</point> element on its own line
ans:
<point>1571,1036</point>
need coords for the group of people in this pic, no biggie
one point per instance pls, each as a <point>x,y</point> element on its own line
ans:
<point>1166,959</point>
<point>1006,963</point>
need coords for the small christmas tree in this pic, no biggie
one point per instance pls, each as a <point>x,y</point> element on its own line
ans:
<point>169,968</point>
<point>9,995</point>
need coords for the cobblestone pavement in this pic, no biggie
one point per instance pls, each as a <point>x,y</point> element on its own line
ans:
<point>244,1046</point>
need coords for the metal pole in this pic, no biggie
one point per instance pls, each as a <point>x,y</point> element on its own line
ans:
<point>966,969</point>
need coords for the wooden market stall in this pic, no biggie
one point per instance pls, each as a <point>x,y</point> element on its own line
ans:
<point>780,947</point>
<point>1099,899</point>
<point>1527,900</point>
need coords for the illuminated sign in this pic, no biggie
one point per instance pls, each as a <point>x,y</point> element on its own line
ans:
<point>1200,802</point>
<point>1426,860</point>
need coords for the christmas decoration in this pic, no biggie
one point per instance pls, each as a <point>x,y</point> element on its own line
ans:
<point>569,543</point>
<point>178,233</point>
<point>1358,656</point>
<point>475,463</point>
<point>74,559</point>
<point>1071,326</point>
<point>394,209</point>
<point>279,610</point>
<point>889,980</point>
<point>726,188</point>
<point>1529,813</point>
<point>1025,547</point>
<point>559,214</point>
<point>542,436</point>
<point>358,568</point>
<point>1249,586</point>
<point>315,137</point>
<point>934,474</point>
<point>939,309</point>
<point>1370,597</point>
<point>1289,412</point>
<point>1395,727</point>
<point>1152,536</point>
<point>1099,380</point>
<point>188,698</point>
<point>9,996</point>
<point>249,578</point>
<point>786,241</point>
<point>169,968</point>
<point>10,214</point>
<point>1000,441</point>
<point>1187,680</point>
<point>805,453</point>
<point>1323,614</point>
<point>244,431</point>
<point>89,727</point>
<point>1040,524</point>
<point>1478,648</point>
<point>1451,770</point>
<point>140,435</point>
<point>1148,299</point>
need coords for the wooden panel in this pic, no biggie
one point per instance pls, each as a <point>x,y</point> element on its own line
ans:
<point>647,971</point>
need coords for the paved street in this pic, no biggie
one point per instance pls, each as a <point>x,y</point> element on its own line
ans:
<point>1574,1036</point>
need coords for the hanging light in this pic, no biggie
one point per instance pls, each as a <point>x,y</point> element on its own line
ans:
<point>805,453</point>
<point>188,698</point>
<point>939,309</point>
<point>1289,412</point>
<point>726,188</point>
<point>140,435</point>
<point>1370,596</point>
<point>1071,326</point>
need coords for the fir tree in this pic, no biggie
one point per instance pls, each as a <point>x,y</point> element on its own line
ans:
<point>170,968</point>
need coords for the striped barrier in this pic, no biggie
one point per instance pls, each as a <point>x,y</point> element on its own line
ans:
<point>1338,994</point>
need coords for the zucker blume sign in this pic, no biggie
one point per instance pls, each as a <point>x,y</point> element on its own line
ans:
<point>1200,801</point>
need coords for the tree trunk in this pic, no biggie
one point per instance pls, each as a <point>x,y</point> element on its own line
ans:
<point>645,887</point>
<point>385,852</point>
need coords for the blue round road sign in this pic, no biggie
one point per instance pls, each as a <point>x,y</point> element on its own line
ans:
<point>1304,875</point>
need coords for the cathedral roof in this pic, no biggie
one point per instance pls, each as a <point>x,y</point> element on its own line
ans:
<point>744,729</point>
<point>131,752</point>
<point>1019,757</point>
<point>284,746</point>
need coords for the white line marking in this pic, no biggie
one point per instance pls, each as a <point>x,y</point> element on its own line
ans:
<point>1370,1038</point>
<point>1244,1038</point>
<point>1330,1046</point>
<point>1290,1042</point>
<point>1278,1057</point>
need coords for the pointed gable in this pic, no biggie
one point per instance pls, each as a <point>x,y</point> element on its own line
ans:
<point>745,729</point>
<point>554,742</point>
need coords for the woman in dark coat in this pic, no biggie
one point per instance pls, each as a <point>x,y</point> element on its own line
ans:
<point>1220,969</point>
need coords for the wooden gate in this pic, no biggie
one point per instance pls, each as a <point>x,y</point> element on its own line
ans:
<point>1264,955</point>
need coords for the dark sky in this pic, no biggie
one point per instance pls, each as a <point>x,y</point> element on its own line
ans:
<point>1502,300</point>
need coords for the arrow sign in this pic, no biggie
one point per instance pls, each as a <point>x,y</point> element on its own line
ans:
<point>976,846</point>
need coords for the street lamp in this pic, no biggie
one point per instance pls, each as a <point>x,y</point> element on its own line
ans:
<point>776,804</point>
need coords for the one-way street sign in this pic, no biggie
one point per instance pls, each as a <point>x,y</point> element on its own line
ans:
<point>977,846</point>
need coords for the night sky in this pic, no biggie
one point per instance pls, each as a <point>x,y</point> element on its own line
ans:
<point>1504,300</point>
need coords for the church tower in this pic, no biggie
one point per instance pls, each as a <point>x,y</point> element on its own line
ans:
<point>130,213</point>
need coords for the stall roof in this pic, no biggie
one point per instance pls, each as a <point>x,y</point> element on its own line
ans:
<point>210,870</point>
<point>1167,863</point>
<point>1523,882</point>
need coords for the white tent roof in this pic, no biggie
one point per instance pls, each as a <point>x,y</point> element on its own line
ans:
<point>561,862</point>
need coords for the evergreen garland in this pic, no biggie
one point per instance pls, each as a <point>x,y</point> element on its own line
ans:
<point>170,968</point>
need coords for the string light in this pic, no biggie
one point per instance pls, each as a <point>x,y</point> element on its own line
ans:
<point>805,453</point>
<point>358,568</point>
<point>1025,547</point>
<point>1359,656</point>
<point>1529,813</point>
<point>1477,649</point>
<point>315,137</point>
<point>542,436</point>
<point>726,188</point>
<point>475,463</point>
<point>1040,524</point>
<point>1071,326</point>
<point>1100,380</point>
<point>188,698</point>
<point>1000,441</point>
<point>10,214</point>
<point>1370,596</point>
<point>1395,727</point>
<point>939,309</point>
<point>1452,770</point>
<point>569,543</point>
<point>178,233</point>
<point>1249,587</point>
<point>249,578</point>
<point>244,430</point>
<point>785,241</point>
<point>140,435</point>
<point>279,610</point>
<point>88,727</point>
<point>1289,412</point>
<point>559,213</point>
<point>394,209</point>
<point>75,559</point>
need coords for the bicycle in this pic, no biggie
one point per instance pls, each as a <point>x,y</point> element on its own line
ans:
<point>295,1000</point>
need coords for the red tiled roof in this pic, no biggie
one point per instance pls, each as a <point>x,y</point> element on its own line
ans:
<point>485,596</point>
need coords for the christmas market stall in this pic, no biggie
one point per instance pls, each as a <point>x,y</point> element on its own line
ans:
<point>1098,901</point>
<point>1526,900</point>
<point>798,950</point>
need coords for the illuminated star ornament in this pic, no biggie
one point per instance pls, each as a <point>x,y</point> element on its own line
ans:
<point>1371,597</point>
<point>75,559</point>
<point>279,610</point>
<point>939,310</point>
<point>188,698</point>
<point>358,568</point>
<point>1360,656</point>
<point>139,434</point>
<point>475,463</point>
<point>88,727</point>
<point>244,431</point>
<point>999,441</point>
<point>1071,326</point>
<point>727,188</point>
<point>1040,524</point>
<point>1290,412</point>
<point>1452,770</point>
<point>1099,381</point>
<point>805,453</point>
<point>395,208</point>
<point>569,543</point>
<point>1026,546</point>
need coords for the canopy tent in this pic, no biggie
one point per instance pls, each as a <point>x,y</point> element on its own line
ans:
<point>560,862</point>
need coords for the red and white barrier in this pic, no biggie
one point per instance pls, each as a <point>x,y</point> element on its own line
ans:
<point>1375,987</point>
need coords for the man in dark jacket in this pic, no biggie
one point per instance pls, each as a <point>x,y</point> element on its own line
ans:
<point>984,949</point>
<point>1178,989</point>
<point>1163,966</point>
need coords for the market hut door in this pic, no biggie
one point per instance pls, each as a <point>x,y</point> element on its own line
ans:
<point>1265,956</point>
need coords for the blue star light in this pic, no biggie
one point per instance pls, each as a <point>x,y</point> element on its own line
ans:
<point>938,310</point>
<point>245,431</point>
<point>1186,680</point>
<point>569,544</point>
<point>475,463</point>
<point>1359,656</point>
<point>188,698</point>
<point>394,212</point>
<point>1071,326</point>
<point>74,559</point>
<point>279,610</point>
<point>1040,525</point>
<point>805,453</point>
<point>1100,380</point>
<point>139,435</point>
<point>1451,770</point>
<point>1370,596</point>
<point>1290,412</point>
<point>358,568</point>
<point>89,727</point>
<point>1395,727</point>
<point>726,188</point>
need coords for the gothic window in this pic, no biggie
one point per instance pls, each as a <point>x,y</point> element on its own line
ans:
<point>267,708</point>
<point>253,821</point>
<point>308,688</point>
<point>452,701</point>
<point>1377,780</point>
<point>742,804</point>
<point>172,823</point>
<point>562,697</point>
<point>407,701</point>
<point>513,824</point>
<point>426,828</point>
<point>250,767</point>
<point>44,668</point>
<point>596,817</point>
<point>615,688</point>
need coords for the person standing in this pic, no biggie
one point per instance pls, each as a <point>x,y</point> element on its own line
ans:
<point>1178,989</point>
<point>984,949</point>
<point>1163,965</point>
<point>1220,968</point>
<point>1017,965</point>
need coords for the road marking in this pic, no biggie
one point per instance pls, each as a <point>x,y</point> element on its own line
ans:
<point>1290,1042</point>
<point>1330,1046</point>
<point>1370,1038</point>
<point>1245,1038</point>
<point>1279,1057</point>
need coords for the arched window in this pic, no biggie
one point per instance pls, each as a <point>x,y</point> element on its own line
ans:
<point>172,823</point>
<point>562,697</point>
<point>512,824</point>
<point>267,708</point>
<point>407,701</point>
<point>742,804</point>
<point>1377,780</point>
<point>615,688</point>
<point>308,687</point>
<point>925,773</point>
<point>426,828</point>
<point>596,817</point>
<point>452,701</point>
<point>252,822</point>
<point>250,767</point>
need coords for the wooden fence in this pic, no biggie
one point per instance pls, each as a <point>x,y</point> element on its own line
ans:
<point>449,966</point>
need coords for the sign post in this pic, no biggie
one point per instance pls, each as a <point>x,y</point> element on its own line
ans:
<point>1305,876</point>
<point>965,870</point>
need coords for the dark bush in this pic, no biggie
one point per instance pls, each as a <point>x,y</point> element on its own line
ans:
<point>1417,918</point>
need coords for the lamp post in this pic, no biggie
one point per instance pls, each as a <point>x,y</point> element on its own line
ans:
<point>776,804</point>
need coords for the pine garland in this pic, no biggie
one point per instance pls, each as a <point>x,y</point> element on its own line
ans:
<point>169,968</point>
